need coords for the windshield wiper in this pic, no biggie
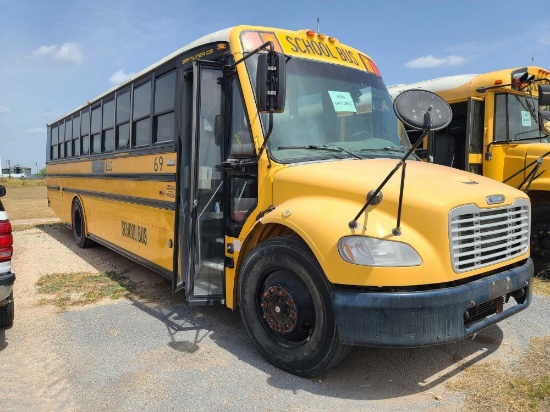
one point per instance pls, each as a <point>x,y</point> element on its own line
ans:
<point>516,139</point>
<point>330,147</point>
<point>399,149</point>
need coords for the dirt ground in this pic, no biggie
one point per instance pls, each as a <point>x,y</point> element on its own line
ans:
<point>31,361</point>
<point>150,351</point>
<point>27,202</point>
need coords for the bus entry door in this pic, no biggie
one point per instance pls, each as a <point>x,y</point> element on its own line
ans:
<point>202,261</point>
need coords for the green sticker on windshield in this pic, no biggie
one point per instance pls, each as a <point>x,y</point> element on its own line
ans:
<point>342,102</point>
<point>525,118</point>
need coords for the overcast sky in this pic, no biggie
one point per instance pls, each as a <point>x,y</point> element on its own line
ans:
<point>55,55</point>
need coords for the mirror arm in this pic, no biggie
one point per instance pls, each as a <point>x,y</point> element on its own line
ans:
<point>269,131</point>
<point>488,155</point>
<point>483,89</point>
<point>427,127</point>
<point>532,176</point>
<point>232,67</point>
<point>252,53</point>
<point>353,223</point>
<point>538,160</point>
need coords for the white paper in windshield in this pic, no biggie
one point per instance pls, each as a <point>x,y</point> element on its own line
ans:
<point>525,118</point>
<point>342,102</point>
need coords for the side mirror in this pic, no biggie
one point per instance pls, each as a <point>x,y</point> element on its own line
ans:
<point>544,95</point>
<point>2,191</point>
<point>271,82</point>
<point>422,110</point>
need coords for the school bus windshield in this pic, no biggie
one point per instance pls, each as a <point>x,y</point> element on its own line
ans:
<point>329,107</point>
<point>516,118</point>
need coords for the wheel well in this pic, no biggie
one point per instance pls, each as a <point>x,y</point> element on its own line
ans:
<point>260,234</point>
<point>75,199</point>
<point>539,196</point>
<point>79,200</point>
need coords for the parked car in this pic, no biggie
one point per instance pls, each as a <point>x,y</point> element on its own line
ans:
<point>7,277</point>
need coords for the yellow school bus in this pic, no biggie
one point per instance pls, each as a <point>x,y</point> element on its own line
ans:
<point>499,129</point>
<point>255,168</point>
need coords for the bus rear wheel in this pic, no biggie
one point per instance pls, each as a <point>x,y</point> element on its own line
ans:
<point>78,226</point>
<point>540,238</point>
<point>285,304</point>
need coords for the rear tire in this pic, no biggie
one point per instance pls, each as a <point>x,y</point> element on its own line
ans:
<point>286,306</point>
<point>79,226</point>
<point>540,238</point>
<point>7,313</point>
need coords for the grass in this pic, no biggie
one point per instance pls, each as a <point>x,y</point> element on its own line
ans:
<point>27,202</point>
<point>22,182</point>
<point>524,386</point>
<point>77,289</point>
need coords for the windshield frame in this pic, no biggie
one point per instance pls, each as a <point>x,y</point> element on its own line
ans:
<point>504,103</point>
<point>315,80</point>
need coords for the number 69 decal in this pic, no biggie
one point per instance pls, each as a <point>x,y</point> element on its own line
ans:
<point>159,162</point>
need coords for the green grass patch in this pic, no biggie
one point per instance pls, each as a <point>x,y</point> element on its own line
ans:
<point>76,289</point>
<point>16,182</point>
<point>524,386</point>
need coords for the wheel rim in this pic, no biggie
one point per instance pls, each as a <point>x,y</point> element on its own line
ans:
<point>286,308</point>
<point>540,242</point>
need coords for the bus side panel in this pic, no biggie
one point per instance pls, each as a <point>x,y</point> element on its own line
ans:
<point>142,230</point>
<point>59,203</point>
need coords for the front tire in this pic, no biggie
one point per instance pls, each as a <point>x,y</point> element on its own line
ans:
<point>7,313</point>
<point>540,238</point>
<point>286,306</point>
<point>79,227</point>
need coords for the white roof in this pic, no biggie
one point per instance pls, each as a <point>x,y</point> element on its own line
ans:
<point>434,85</point>
<point>218,36</point>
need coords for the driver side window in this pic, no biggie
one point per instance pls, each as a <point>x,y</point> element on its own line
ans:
<point>241,143</point>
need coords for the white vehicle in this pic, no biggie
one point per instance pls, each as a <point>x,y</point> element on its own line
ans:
<point>7,278</point>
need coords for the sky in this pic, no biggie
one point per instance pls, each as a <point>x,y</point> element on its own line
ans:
<point>56,55</point>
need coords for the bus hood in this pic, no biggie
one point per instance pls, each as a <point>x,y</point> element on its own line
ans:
<point>520,156</point>
<point>317,201</point>
<point>429,187</point>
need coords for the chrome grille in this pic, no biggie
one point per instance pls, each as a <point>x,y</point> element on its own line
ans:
<point>482,237</point>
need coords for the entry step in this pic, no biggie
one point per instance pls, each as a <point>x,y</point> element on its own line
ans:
<point>214,263</point>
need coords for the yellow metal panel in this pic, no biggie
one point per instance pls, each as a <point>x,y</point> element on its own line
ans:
<point>125,221</point>
<point>319,211</point>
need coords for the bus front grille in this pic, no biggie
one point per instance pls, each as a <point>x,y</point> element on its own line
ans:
<point>482,237</point>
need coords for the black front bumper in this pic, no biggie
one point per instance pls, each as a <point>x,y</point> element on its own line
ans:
<point>411,319</point>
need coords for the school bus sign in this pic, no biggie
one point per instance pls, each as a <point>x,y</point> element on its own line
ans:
<point>310,45</point>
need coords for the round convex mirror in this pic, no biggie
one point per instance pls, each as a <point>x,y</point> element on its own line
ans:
<point>410,107</point>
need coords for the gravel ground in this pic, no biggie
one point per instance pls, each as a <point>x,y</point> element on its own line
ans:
<point>159,354</point>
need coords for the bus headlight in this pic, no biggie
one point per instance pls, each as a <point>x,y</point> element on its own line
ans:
<point>368,251</point>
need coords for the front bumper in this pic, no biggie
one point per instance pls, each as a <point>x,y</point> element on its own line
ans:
<point>412,319</point>
<point>6,287</point>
